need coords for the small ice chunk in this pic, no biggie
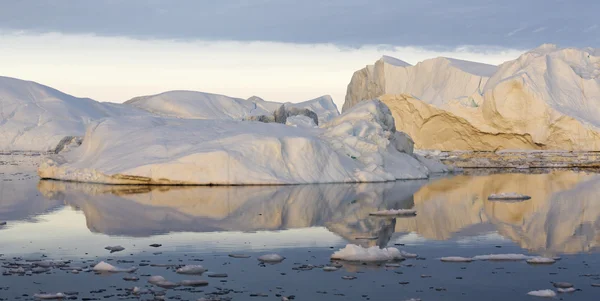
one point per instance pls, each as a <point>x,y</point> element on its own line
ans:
<point>372,254</point>
<point>194,283</point>
<point>540,260</point>
<point>50,296</point>
<point>330,269</point>
<point>392,265</point>
<point>113,249</point>
<point>271,258</point>
<point>239,256</point>
<point>502,257</point>
<point>562,284</point>
<point>566,290</point>
<point>456,259</point>
<point>167,284</point>
<point>156,279</point>
<point>408,255</point>
<point>191,270</point>
<point>395,212</point>
<point>543,293</point>
<point>106,267</point>
<point>508,196</point>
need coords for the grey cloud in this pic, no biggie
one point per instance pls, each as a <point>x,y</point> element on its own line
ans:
<point>350,23</point>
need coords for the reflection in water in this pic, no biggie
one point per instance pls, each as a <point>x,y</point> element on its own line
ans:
<point>20,200</point>
<point>143,211</point>
<point>563,215</point>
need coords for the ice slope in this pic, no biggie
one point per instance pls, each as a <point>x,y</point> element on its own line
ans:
<point>35,117</point>
<point>548,98</point>
<point>435,81</point>
<point>361,145</point>
<point>200,105</point>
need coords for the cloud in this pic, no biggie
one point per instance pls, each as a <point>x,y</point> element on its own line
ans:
<point>348,23</point>
<point>117,68</point>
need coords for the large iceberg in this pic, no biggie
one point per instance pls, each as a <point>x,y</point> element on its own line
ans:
<point>200,105</point>
<point>35,117</point>
<point>361,145</point>
<point>548,98</point>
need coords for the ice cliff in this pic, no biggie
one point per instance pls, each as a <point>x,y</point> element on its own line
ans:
<point>548,98</point>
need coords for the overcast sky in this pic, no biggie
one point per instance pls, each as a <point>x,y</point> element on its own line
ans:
<point>112,50</point>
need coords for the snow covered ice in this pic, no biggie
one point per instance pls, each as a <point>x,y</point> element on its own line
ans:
<point>543,293</point>
<point>361,145</point>
<point>191,270</point>
<point>372,254</point>
<point>106,267</point>
<point>271,258</point>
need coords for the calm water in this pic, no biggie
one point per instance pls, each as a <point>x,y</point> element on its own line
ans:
<point>306,224</point>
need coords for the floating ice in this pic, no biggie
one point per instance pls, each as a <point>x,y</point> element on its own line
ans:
<point>113,249</point>
<point>540,260</point>
<point>156,279</point>
<point>330,269</point>
<point>543,293</point>
<point>502,257</point>
<point>395,212</point>
<point>239,256</point>
<point>508,196</point>
<point>562,284</point>
<point>194,283</point>
<point>106,267</point>
<point>271,258</point>
<point>456,259</point>
<point>358,253</point>
<point>50,296</point>
<point>566,290</point>
<point>408,255</point>
<point>191,270</point>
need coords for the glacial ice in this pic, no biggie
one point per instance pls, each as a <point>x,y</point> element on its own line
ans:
<point>358,146</point>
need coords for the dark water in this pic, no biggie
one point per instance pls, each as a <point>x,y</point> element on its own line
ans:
<point>48,220</point>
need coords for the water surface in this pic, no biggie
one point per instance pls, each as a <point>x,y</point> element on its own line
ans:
<point>306,224</point>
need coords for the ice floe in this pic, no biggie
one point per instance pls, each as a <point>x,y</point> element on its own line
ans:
<point>106,267</point>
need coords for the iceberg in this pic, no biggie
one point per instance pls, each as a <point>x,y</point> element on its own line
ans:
<point>201,105</point>
<point>37,118</point>
<point>547,99</point>
<point>362,145</point>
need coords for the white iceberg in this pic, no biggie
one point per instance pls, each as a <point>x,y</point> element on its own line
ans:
<point>201,105</point>
<point>548,98</point>
<point>106,267</point>
<point>543,293</point>
<point>191,270</point>
<point>358,146</point>
<point>372,254</point>
<point>38,118</point>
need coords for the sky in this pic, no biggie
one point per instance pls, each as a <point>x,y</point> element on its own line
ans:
<point>280,50</point>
